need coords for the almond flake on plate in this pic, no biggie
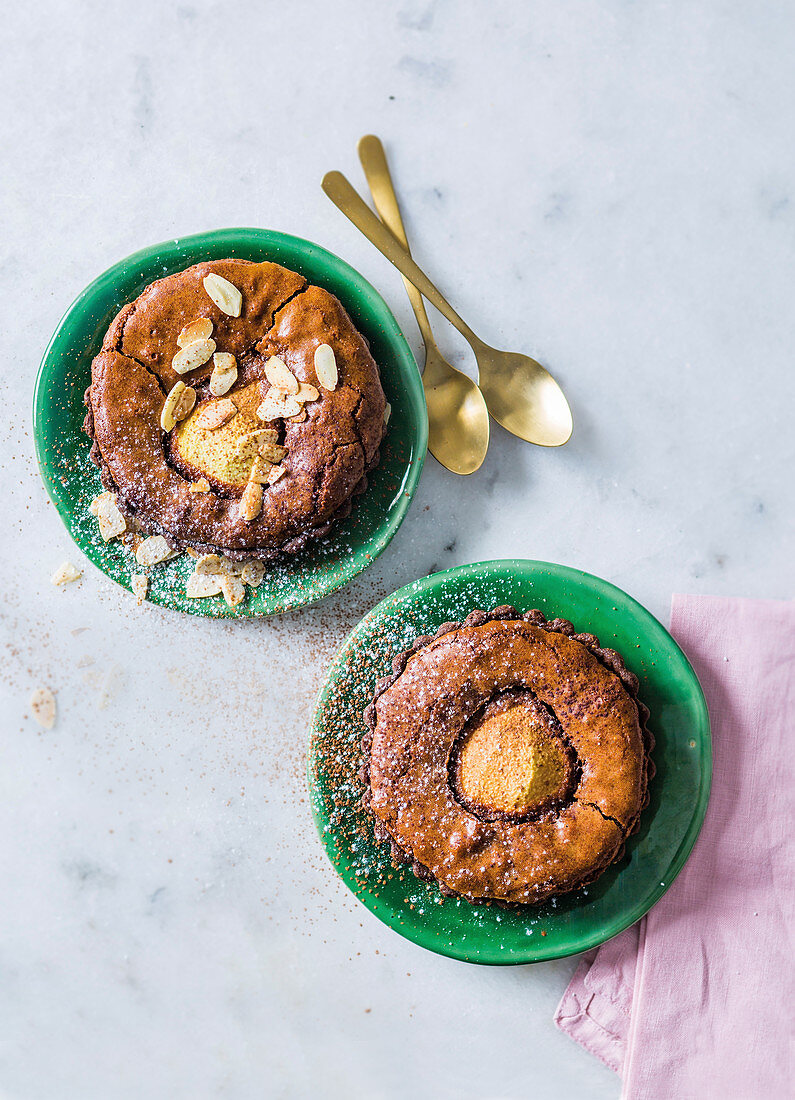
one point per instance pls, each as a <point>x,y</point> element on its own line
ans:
<point>233,589</point>
<point>153,550</point>
<point>111,522</point>
<point>140,587</point>
<point>215,414</point>
<point>200,486</point>
<point>201,329</point>
<point>326,367</point>
<point>225,294</point>
<point>253,573</point>
<point>178,404</point>
<point>387,413</point>
<point>65,574</point>
<point>280,376</point>
<point>42,703</point>
<point>209,565</point>
<point>276,474</point>
<point>201,585</point>
<point>193,355</point>
<point>224,373</point>
<point>250,504</point>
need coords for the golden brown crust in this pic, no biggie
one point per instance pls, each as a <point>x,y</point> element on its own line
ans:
<point>435,688</point>
<point>329,453</point>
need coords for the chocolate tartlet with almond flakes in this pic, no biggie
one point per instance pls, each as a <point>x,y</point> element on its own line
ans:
<point>507,757</point>
<point>235,409</point>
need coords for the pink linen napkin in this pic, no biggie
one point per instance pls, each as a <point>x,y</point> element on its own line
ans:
<point>696,1000</point>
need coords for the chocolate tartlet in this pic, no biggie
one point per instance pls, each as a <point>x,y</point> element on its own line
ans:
<point>507,757</point>
<point>234,408</point>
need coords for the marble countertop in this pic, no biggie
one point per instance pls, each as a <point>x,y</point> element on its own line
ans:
<point>607,186</point>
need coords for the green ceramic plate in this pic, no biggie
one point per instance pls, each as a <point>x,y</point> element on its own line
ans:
<point>670,824</point>
<point>72,480</point>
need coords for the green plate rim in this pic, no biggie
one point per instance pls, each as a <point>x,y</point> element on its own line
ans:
<point>405,364</point>
<point>537,951</point>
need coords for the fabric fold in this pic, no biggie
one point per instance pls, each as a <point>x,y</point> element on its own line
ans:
<point>693,1000</point>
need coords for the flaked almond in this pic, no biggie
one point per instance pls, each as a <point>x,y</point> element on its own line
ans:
<point>251,443</point>
<point>65,574</point>
<point>153,550</point>
<point>186,403</point>
<point>140,587</point>
<point>387,413</point>
<point>42,704</point>
<point>111,522</point>
<point>272,452</point>
<point>260,469</point>
<point>167,418</point>
<point>279,375</point>
<point>275,474</point>
<point>192,356</point>
<point>262,443</point>
<point>215,414</point>
<point>209,564</point>
<point>109,687</point>
<point>178,404</point>
<point>200,486</point>
<point>201,585</point>
<point>278,405</point>
<point>201,329</point>
<point>306,392</point>
<point>253,573</point>
<point>233,589</point>
<point>326,367</point>
<point>224,373</point>
<point>250,504</point>
<point>299,418</point>
<point>225,294</point>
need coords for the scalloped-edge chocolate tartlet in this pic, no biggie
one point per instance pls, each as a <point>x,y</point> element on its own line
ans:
<point>507,757</point>
<point>234,408</point>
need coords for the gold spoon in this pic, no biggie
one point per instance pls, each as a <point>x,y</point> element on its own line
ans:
<point>519,392</point>
<point>458,420</point>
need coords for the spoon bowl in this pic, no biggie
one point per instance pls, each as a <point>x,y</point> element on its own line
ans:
<point>523,396</point>
<point>458,423</point>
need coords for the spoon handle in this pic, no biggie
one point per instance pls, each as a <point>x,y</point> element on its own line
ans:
<point>353,206</point>
<point>379,179</point>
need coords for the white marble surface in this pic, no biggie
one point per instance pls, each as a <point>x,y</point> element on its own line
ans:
<point>608,186</point>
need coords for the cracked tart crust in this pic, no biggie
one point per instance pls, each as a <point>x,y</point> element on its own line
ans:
<point>567,795</point>
<point>330,448</point>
